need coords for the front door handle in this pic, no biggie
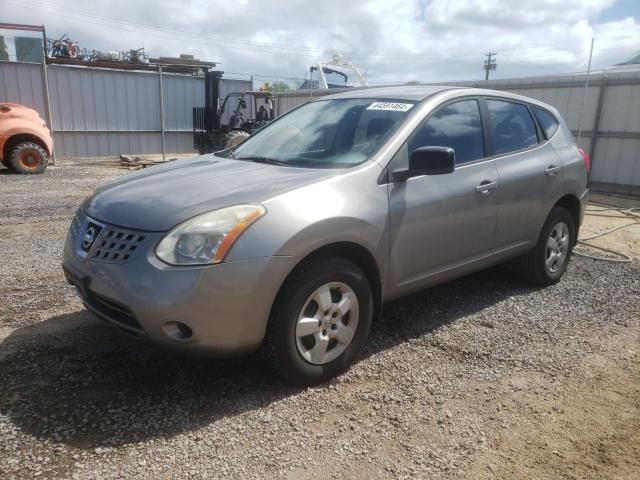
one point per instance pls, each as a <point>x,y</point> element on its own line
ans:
<point>552,170</point>
<point>486,187</point>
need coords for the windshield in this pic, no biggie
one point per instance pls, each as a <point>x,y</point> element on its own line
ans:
<point>327,133</point>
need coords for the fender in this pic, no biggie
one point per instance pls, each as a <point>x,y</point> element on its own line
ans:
<point>24,127</point>
<point>20,120</point>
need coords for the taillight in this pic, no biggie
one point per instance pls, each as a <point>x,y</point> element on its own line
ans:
<point>585,157</point>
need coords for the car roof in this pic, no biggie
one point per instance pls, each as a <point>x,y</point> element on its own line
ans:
<point>421,92</point>
<point>402,92</point>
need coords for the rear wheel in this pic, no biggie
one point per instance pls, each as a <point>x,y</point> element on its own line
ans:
<point>28,157</point>
<point>320,321</point>
<point>234,138</point>
<point>547,261</point>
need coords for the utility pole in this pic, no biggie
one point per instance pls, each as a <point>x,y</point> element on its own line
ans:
<point>489,64</point>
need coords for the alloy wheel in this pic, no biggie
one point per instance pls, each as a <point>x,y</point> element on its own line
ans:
<point>557,247</point>
<point>327,323</point>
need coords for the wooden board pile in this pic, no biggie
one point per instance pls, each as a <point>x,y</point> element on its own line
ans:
<point>136,163</point>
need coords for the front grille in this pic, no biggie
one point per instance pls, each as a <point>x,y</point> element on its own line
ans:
<point>115,245</point>
<point>101,242</point>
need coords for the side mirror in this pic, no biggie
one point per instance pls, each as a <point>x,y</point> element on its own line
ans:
<point>428,161</point>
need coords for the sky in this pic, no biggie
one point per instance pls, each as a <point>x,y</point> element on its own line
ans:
<point>391,41</point>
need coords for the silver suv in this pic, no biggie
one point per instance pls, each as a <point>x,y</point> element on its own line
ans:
<point>290,242</point>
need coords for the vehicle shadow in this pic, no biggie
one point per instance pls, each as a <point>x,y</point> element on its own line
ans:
<point>74,380</point>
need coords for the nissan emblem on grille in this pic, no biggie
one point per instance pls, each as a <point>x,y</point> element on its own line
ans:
<point>89,237</point>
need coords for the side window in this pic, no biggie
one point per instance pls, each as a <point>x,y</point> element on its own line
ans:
<point>456,125</point>
<point>513,127</point>
<point>547,121</point>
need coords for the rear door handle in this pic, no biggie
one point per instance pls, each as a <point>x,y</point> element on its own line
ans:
<point>552,170</point>
<point>486,187</point>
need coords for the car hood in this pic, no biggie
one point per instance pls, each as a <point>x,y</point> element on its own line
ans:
<point>158,198</point>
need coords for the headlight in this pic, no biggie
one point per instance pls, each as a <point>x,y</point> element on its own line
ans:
<point>208,237</point>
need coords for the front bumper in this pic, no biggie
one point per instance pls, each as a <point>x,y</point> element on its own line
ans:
<point>226,305</point>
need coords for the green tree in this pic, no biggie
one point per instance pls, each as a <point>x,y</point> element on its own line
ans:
<point>274,87</point>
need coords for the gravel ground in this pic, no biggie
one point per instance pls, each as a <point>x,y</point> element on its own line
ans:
<point>485,377</point>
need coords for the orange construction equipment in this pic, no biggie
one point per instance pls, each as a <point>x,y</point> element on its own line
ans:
<point>25,140</point>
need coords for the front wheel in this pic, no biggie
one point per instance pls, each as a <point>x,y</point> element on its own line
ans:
<point>547,261</point>
<point>320,321</point>
<point>28,157</point>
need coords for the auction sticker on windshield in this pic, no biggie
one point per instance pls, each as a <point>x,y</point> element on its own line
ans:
<point>397,107</point>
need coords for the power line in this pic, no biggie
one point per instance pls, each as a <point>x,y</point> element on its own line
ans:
<point>253,46</point>
<point>103,18</point>
<point>243,44</point>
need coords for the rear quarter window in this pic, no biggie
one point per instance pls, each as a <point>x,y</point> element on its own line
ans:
<point>513,127</point>
<point>547,121</point>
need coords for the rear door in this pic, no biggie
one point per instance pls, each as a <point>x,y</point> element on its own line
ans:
<point>529,169</point>
<point>441,224</point>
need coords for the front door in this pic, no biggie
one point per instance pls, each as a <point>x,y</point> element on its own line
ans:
<point>442,224</point>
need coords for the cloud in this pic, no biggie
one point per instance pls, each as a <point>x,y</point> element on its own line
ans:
<point>392,40</point>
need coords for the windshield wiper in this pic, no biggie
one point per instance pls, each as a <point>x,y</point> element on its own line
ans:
<point>258,159</point>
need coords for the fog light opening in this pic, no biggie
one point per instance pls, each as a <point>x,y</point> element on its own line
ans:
<point>178,330</point>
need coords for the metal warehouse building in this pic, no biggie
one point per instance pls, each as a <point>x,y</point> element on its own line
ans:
<point>99,112</point>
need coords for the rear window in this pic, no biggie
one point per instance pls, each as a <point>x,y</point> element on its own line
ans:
<point>513,127</point>
<point>547,121</point>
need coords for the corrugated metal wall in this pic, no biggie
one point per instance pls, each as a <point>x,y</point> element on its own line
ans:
<point>610,124</point>
<point>107,112</point>
<point>103,112</point>
<point>611,108</point>
<point>98,112</point>
<point>22,83</point>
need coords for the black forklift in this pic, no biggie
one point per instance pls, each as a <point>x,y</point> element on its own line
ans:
<point>210,134</point>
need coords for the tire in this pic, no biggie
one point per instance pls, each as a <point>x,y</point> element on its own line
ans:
<point>547,261</point>
<point>235,137</point>
<point>289,350</point>
<point>7,164</point>
<point>28,158</point>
